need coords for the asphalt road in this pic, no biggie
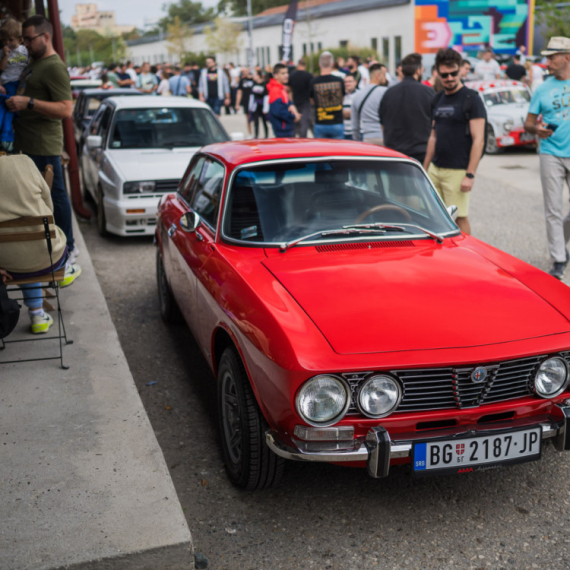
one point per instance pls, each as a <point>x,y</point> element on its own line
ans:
<point>324,516</point>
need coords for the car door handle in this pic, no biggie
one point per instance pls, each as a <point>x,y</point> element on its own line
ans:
<point>171,230</point>
<point>199,236</point>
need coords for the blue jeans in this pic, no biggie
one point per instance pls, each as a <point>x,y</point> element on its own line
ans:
<point>215,104</point>
<point>61,205</point>
<point>6,117</point>
<point>329,131</point>
<point>32,292</point>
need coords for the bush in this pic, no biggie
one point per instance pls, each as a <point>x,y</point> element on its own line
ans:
<point>199,58</point>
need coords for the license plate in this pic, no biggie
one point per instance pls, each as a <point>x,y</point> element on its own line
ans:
<point>525,137</point>
<point>476,453</point>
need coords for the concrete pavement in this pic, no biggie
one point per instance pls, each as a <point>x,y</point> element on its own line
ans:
<point>83,484</point>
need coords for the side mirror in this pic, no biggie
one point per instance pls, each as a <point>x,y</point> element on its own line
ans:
<point>452,211</point>
<point>189,222</point>
<point>237,137</point>
<point>94,141</point>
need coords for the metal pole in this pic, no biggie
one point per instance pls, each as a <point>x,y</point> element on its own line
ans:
<point>91,53</point>
<point>250,36</point>
<point>68,136</point>
<point>78,56</point>
<point>114,51</point>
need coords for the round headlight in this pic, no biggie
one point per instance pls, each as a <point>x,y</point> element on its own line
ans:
<point>379,396</point>
<point>551,378</point>
<point>508,126</point>
<point>323,400</point>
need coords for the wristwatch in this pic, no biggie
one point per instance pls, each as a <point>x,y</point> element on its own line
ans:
<point>31,103</point>
<point>469,175</point>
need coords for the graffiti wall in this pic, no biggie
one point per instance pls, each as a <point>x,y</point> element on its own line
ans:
<point>467,25</point>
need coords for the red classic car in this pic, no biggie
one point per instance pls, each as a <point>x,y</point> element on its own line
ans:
<point>349,321</point>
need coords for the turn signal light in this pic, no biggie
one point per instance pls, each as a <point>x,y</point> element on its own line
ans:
<point>139,211</point>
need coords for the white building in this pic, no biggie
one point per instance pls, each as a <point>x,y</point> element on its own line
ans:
<point>387,26</point>
<point>88,17</point>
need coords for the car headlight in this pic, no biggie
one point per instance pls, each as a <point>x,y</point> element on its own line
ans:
<point>139,187</point>
<point>508,125</point>
<point>379,396</point>
<point>323,400</point>
<point>551,378</point>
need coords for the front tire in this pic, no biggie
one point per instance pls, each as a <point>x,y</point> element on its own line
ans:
<point>492,146</point>
<point>250,464</point>
<point>169,310</point>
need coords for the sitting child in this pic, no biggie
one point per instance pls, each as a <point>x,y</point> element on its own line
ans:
<point>14,59</point>
<point>24,193</point>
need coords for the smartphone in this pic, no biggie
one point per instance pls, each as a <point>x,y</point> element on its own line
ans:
<point>551,126</point>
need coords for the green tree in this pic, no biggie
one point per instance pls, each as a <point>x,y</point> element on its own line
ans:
<point>188,12</point>
<point>224,37</point>
<point>239,7</point>
<point>177,36</point>
<point>555,17</point>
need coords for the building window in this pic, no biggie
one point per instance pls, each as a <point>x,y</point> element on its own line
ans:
<point>268,56</point>
<point>320,46</point>
<point>398,49</point>
<point>304,49</point>
<point>343,43</point>
<point>386,50</point>
<point>374,44</point>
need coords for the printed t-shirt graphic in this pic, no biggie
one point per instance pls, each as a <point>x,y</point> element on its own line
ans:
<point>328,93</point>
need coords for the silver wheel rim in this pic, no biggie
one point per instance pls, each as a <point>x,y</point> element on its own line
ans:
<point>231,418</point>
<point>491,142</point>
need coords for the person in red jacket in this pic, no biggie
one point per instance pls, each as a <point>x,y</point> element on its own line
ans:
<point>282,113</point>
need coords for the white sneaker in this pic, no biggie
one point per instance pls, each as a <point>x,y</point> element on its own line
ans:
<point>41,323</point>
<point>72,272</point>
<point>72,259</point>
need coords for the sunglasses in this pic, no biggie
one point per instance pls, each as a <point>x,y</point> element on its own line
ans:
<point>450,74</point>
<point>28,40</point>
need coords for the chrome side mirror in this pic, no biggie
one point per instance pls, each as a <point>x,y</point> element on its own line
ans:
<point>452,211</point>
<point>189,222</point>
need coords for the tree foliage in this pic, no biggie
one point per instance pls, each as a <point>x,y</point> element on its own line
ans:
<point>177,35</point>
<point>239,7</point>
<point>554,17</point>
<point>224,37</point>
<point>188,12</point>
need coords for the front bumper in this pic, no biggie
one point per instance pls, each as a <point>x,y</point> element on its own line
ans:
<point>132,215</point>
<point>377,449</point>
<point>517,137</point>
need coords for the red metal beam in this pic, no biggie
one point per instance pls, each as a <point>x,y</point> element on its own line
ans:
<point>68,136</point>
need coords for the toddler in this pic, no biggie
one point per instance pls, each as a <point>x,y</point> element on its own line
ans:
<point>13,61</point>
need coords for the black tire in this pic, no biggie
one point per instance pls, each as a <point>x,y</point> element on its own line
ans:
<point>250,464</point>
<point>101,218</point>
<point>492,147</point>
<point>169,310</point>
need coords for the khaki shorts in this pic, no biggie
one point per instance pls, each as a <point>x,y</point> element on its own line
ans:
<point>447,182</point>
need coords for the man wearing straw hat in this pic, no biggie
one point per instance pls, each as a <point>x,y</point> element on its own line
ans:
<point>552,100</point>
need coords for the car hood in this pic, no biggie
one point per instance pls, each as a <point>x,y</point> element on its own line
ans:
<point>516,112</point>
<point>419,297</point>
<point>151,164</point>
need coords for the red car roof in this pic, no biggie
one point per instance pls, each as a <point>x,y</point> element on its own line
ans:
<point>237,153</point>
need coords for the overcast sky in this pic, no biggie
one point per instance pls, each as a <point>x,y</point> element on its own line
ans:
<point>126,11</point>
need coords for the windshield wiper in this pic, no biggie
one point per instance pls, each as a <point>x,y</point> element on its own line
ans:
<point>345,231</point>
<point>399,227</point>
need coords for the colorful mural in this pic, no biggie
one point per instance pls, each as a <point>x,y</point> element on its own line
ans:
<point>467,25</point>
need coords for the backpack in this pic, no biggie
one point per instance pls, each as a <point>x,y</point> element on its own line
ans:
<point>467,107</point>
<point>9,312</point>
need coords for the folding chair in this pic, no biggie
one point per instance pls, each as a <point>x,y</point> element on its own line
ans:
<point>55,277</point>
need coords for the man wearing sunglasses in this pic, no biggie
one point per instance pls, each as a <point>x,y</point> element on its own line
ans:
<point>42,100</point>
<point>457,137</point>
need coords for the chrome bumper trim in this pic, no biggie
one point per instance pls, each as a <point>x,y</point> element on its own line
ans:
<point>377,449</point>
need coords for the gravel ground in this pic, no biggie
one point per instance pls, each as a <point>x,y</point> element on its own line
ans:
<point>324,516</point>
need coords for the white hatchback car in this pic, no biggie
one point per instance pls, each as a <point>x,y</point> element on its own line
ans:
<point>137,150</point>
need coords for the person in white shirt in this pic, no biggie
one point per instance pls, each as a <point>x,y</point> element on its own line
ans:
<point>132,73</point>
<point>488,69</point>
<point>350,88</point>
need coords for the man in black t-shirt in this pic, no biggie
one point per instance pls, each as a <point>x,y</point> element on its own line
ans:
<point>515,70</point>
<point>457,137</point>
<point>300,84</point>
<point>327,92</point>
<point>243,93</point>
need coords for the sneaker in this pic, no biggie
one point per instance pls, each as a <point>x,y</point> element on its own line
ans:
<point>72,259</point>
<point>72,272</point>
<point>41,323</point>
<point>558,268</point>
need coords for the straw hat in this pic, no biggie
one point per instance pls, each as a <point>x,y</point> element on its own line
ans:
<point>557,44</point>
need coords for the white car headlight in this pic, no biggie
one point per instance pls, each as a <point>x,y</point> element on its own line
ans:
<point>323,400</point>
<point>379,396</point>
<point>508,125</point>
<point>551,378</point>
<point>139,187</point>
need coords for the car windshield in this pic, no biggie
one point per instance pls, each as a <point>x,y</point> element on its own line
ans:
<point>165,127</point>
<point>506,96</point>
<point>283,202</point>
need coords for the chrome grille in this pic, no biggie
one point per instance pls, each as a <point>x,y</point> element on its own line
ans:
<point>452,388</point>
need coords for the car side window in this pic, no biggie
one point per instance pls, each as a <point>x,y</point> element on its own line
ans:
<point>105,122</point>
<point>96,120</point>
<point>189,184</point>
<point>206,199</point>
